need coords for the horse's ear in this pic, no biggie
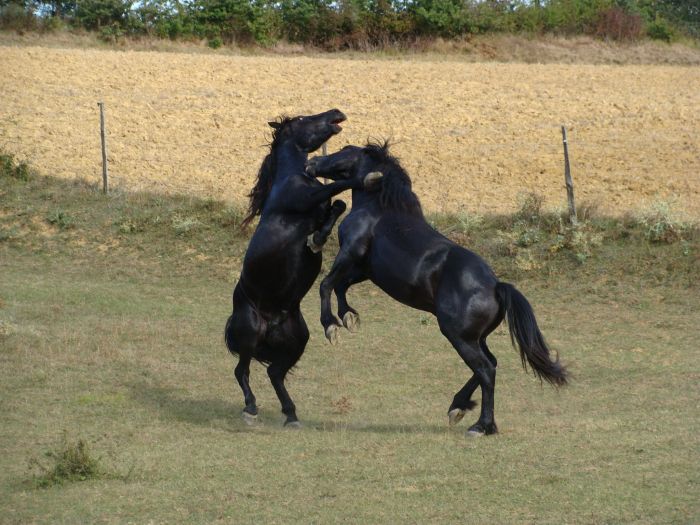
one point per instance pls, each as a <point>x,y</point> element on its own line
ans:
<point>274,125</point>
<point>372,178</point>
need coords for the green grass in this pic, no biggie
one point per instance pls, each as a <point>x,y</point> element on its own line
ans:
<point>111,335</point>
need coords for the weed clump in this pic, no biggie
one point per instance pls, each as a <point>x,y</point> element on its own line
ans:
<point>183,225</point>
<point>61,219</point>
<point>69,463</point>
<point>662,225</point>
<point>10,168</point>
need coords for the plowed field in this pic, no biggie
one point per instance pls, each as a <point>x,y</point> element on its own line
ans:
<point>473,136</point>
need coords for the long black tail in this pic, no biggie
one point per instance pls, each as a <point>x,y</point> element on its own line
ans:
<point>526,335</point>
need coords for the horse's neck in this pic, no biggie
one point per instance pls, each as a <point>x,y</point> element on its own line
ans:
<point>361,198</point>
<point>290,160</point>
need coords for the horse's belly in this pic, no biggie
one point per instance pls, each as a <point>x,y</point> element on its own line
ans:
<point>280,278</point>
<point>409,276</point>
<point>404,288</point>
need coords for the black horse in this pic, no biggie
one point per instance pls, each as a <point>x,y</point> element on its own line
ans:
<point>283,258</point>
<point>386,238</point>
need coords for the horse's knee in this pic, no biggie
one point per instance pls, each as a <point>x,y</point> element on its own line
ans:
<point>339,207</point>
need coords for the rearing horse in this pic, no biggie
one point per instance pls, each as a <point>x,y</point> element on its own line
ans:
<point>283,257</point>
<point>386,239</point>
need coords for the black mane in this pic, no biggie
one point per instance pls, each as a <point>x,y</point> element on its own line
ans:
<point>396,193</point>
<point>266,174</point>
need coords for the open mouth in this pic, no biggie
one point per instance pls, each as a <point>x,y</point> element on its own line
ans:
<point>335,124</point>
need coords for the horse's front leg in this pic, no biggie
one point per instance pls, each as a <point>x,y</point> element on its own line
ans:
<point>349,316</point>
<point>303,199</point>
<point>344,266</point>
<point>318,238</point>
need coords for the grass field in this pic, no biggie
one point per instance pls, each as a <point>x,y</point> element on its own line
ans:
<point>111,318</point>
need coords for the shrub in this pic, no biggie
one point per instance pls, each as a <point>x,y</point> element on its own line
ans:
<point>662,225</point>
<point>660,29</point>
<point>112,33</point>
<point>530,207</point>
<point>579,239</point>
<point>616,24</point>
<point>70,462</point>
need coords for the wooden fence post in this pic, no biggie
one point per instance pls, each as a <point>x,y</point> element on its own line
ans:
<point>569,181</point>
<point>324,152</point>
<point>105,176</point>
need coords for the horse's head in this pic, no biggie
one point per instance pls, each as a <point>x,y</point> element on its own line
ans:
<point>308,132</point>
<point>381,172</point>
<point>350,162</point>
<point>340,165</point>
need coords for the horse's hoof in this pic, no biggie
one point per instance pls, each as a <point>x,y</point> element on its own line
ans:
<point>294,425</point>
<point>332,334</point>
<point>372,178</point>
<point>316,248</point>
<point>456,415</point>
<point>478,430</point>
<point>351,321</point>
<point>311,165</point>
<point>250,419</point>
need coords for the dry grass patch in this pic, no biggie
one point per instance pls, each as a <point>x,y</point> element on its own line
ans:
<point>472,135</point>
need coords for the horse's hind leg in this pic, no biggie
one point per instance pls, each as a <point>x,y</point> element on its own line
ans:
<point>462,400</point>
<point>242,374</point>
<point>242,336</point>
<point>317,239</point>
<point>466,333</point>
<point>470,351</point>
<point>290,343</point>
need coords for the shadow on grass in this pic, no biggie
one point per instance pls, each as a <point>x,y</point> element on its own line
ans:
<point>377,428</point>
<point>172,404</point>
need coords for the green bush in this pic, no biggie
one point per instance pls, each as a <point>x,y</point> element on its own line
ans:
<point>446,18</point>
<point>660,29</point>
<point>215,43</point>
<point>360,24</point>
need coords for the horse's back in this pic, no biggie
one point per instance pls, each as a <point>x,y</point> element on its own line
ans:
<point>414,263</point>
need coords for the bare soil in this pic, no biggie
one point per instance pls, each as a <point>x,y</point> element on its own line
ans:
<point>473,136</point>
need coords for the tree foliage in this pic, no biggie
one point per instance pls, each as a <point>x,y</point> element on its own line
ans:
<point>355,23</point>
